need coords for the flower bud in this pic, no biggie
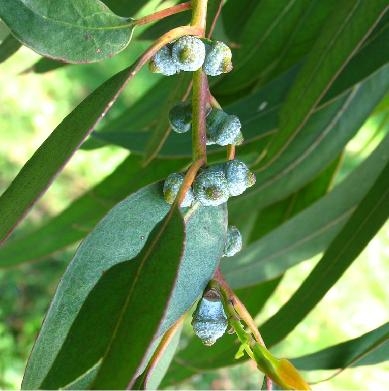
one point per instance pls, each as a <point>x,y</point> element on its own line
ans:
<point>172,186</point>
<point>239,177</point>
<point>180,117</point>
<point>217,59</point>
<point>210,187</point>
<point>222,128</point>
<point>162,62</point>
<point>188,53</point>
<point>209,320</point>
<point>233,242</point>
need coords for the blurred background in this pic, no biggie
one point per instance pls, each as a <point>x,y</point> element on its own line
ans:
<point>32,105</point>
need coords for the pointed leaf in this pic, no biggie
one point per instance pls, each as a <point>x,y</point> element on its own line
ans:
<point>369,348</point>
<point>262,40</point>
<point>344,32</point>
<point>56,150</point>
<point>280,212</point>
<point>323,137</point>
<point>307,233</point>
<point>92,32</point>
<point>370,214</point>
<point>81,216</point>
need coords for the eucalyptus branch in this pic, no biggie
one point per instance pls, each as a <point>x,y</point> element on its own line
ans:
<point>163,14</point>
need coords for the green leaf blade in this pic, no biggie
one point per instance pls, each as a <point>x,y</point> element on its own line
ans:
<point>118,237</point>
<point>309,232</point>
<point>37,174</point>
<point>81,216</point>
<point>370,214</point>
<point>8,47</point>
<point>350,353</point>
<point>92,32</point>
<point>345,31</point>
<point>113,308</point>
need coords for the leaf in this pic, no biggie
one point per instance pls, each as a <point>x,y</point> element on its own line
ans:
<point>116,306</point>
<point>92,32</point>
<point>370,214</point>
<point>261,41</point>
<point>373,54</point>
<point>309,232</point>
<point>323,137</point>
<point>357,351</point>
<point>82,215</point>
<point>119,237</point>
<point>8,47</point>
<point>55,151</point>
<point>343,34</point>
<point>279,212</point>
<point>301,39</point>
<point>235,15</point>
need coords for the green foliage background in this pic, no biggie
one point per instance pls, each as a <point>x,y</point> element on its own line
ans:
<point>26,291</point>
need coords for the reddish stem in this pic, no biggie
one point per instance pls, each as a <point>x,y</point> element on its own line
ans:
<point>242,312</point>
<point>163,13</point>
<point>188,180</point>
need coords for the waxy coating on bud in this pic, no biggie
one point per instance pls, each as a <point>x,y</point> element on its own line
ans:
<point>188,53</point>
<point>239,177</point>
<point>209,320</point>
<point>210,187</point>
<point>217,59</point>
<point>162,62</point>
<point>180,117</point>
<point>172,186</point>
<point>223,129</point>
<point>233,242</point>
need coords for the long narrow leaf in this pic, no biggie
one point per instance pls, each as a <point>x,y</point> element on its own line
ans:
<point>371,348</point>
<point>77,220</point>
<point>309,232</point>
<point>346,29</point>
<point>53,154</point>
<point>371,212</point>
